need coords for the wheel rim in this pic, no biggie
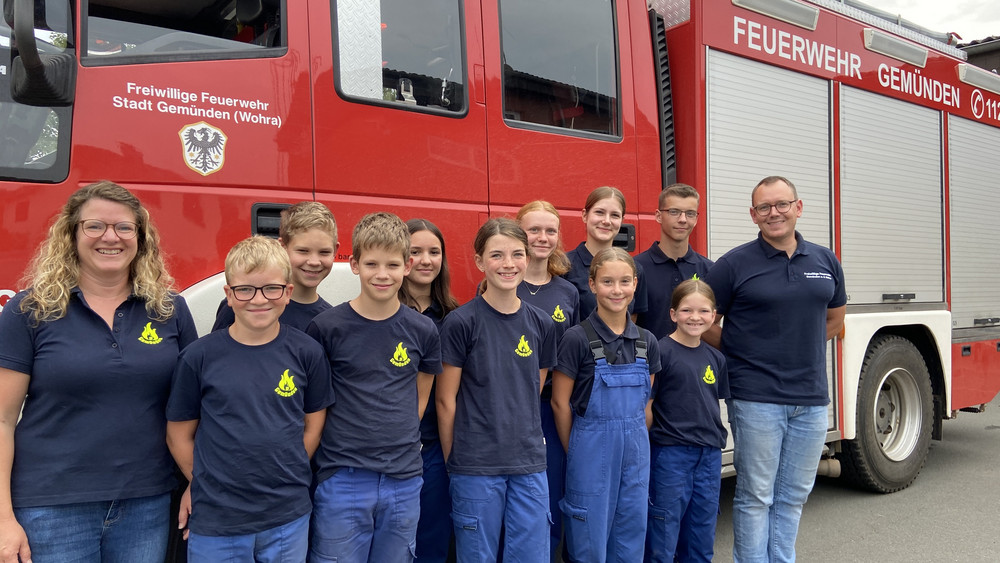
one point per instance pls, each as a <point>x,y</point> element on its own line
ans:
<point>897,414</point>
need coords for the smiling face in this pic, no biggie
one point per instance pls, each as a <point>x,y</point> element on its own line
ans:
<point>603,220</point>
<point>694,315</point>
<point>426,255</point>
<point>108,255</point>
<point>614,285</point>
<point>259,314</point>
<point>503,262</point>
<point>542,229</point>
<point>777,228</point>
<point>381,272</point>
<point>311,253</point>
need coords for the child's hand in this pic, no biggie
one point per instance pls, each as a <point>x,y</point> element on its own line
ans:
<point>185,512</point>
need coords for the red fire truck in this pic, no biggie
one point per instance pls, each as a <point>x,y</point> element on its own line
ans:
<point>219,112</point>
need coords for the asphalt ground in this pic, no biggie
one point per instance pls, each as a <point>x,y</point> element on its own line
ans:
<point>951,512</point>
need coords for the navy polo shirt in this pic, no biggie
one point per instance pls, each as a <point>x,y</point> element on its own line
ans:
<point>663,275</point>
<point>686,396</point>
<point>92,428</point>
<point>775,307</point>
<point>251,471</point>
<point>579,275</point>
<point>374,366</point>
<point>296,314</point>
<point>497,427</point>
<point>429,423</point>
<point>577,360</point>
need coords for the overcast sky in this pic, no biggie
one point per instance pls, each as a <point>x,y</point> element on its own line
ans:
<point>972,19</point>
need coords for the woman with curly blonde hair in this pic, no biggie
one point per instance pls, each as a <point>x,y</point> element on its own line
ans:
<point>88,350</point>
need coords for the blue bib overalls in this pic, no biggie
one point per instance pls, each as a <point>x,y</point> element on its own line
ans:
<point>607,466</point>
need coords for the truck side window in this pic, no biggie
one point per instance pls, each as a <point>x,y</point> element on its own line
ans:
<point>128,31</point>
<point>34,141</point>
<point>560,64</point>
<point>401,53</point>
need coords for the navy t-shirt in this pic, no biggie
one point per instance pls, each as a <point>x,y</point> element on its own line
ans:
<point>251,470</point>
<point>577,360</point>
<point>561,300</point>
<point>663,275</point>
<point>775,307</point>
<point>686,396</point>
<point>579,275</point>
<point>497,422</point>
<point>92,428</point>
<point>429,423</point>
<point>296,314</point>
<point>374,366</point>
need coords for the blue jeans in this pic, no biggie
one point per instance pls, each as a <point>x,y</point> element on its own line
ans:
<point>555,470</point>
<point>434,528</point>
<point>684,483</point>
<point>119,531</point>
<point>777,451</point>
<point>363,516</point>
<point>287,543</point>
<point>481,504</point>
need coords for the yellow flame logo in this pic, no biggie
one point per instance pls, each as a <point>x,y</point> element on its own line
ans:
<point>523,349</point>
<point>399,357</point>
<point>149,335</point>
<point>709,375</point>
<point>695,277</point>
<point>558,315</point>
<point>286,386</point>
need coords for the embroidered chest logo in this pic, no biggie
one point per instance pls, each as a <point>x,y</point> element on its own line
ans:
<point>149,335</point>
<point>695,277</point>
<point>558,315</point>
<point>399,357</point>
<point>286,386</point>
<point>523,349</point>
<point>709,375</point>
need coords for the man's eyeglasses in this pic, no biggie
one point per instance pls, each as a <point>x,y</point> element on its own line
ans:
<point>673,212</point>
<point>248,292</point>
<point>781,206</point>
<point>95,228</point>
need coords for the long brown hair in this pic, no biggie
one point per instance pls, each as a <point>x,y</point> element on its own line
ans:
<point>441,286</point>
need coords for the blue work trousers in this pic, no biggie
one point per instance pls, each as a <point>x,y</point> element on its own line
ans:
<point>361,516</point>
<point>684,483</point>
<point>287,543</point>
<point>607,468</point>
<point>481,504</point>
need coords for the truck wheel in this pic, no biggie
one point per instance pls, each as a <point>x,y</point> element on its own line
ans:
<point>894,417</point>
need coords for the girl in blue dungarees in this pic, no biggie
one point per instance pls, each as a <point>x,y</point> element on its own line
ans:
<point>600,391</point>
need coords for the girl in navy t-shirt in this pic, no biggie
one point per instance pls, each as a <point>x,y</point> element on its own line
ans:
<point>600,390</point>
<point>427,289</point>
<point>687,434</point>
<point>496,351</point>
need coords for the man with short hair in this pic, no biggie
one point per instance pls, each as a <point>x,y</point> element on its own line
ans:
<point>670,260</point>
<point>783,298</point>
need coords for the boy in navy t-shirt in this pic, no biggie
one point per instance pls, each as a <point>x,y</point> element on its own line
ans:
<point>245,414</point>
<point>383,360</point>
<point>308,233</point>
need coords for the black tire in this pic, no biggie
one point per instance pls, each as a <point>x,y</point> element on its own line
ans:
<point>894,418</point>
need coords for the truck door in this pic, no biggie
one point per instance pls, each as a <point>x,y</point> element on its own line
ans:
<point>560,107</point>
<point>399,116</point>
